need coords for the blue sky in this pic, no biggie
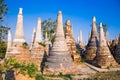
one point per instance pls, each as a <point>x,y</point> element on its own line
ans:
<point>80,13</point>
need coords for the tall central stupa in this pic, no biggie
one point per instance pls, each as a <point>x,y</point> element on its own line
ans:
<point>19,33</point>
<point>59,55</point>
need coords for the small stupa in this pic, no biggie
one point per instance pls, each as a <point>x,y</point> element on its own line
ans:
<point>59,55</point>
<point>104,57</point>
<point>19,32</point>
<point>117,52</point>
<point>92,43</point>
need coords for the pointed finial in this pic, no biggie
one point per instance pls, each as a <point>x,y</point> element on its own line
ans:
<point>59,12</point>
<point>94,19</point>
<point>20,10</point>
<point>39,19</point>
<point>68,22</point>
<point>101,25</point>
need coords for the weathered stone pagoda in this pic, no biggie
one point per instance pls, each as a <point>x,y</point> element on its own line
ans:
<point>70,41</point>
<point>38,35</point>
<point>59,55</point>
<point>92,43</point>
<point>16,48</point>
<point>9,40</point>
<point>117,52</point>
<point>104,57</point>
<point>33,38</point>
<point>80,41</point>
<point>36,49</point>
<point>19,33</point>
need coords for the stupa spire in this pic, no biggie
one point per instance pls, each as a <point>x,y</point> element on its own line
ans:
<point>59,54</point>
<point>93,42</point>
<point>19,33</point>
<point>9,42</point>
<point>104,57</point>
<point>38,37</point>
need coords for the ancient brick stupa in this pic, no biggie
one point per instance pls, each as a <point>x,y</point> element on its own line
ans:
<point>16,49</point>
<point>59,54</point>
<point>38,35</point>
<point>36,49</point>
<point>92,43</point>
<point>70,40</point>
<point>33,39</point>
<point>117,52</point>
<point>104,57</point>
<point>80,41</point>
<point>19,33</point>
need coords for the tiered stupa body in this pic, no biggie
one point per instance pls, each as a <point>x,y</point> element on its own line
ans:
<point>19,33</point>
<point>117,52</point>
<point>92,43</point>
<point>104,57</point>
<point>59,55</point>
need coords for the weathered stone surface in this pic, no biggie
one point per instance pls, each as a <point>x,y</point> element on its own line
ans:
<point>59,54</point>
<point>80,41</point>
<point>117,52</point>
<point>19,53</point>
<point>70,40</point>
<point>38,35</point>
<point>33,39</point>
<point>104,57</point>
<point>113,46</point>
<point>92,43</point>
<point>37,55</point>
<point>19,33</point>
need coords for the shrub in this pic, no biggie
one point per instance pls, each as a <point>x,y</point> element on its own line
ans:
<point>39,77</point>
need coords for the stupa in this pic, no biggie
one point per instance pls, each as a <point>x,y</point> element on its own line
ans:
<point>104,57</point>
<point>92,43</point>
<point>19,32</point>
<point>59,55</point>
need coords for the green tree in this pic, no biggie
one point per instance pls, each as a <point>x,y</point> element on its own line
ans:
<point>105,28</point>
<point>3,33</point>
<point>49,26</point>
<point>3,29</point>
<point>3,9</point>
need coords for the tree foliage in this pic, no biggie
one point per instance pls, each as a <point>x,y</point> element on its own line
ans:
<point>3,48</point>
<point>49,26</point>
<point>3,9</point>
<point>3,33</point>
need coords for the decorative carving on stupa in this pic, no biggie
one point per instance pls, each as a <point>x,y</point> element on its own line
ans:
<point>59,55</point>
<point>19,32</point>
<point>92,43</point>
<point>70,41</point>
<point>104,57</point>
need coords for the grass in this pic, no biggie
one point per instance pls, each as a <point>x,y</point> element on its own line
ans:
<point>114,75</point>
